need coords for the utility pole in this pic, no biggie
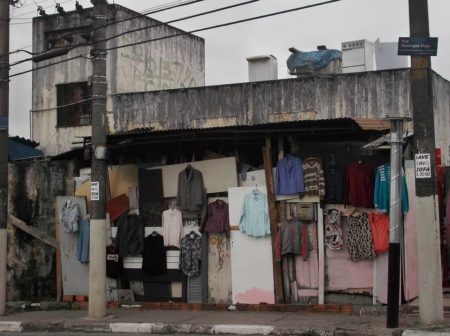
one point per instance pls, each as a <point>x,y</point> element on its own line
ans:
<point>4,115</point>
<point>97,264</point>
<point>427,217</point>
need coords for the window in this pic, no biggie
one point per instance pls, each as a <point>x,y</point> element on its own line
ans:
<point>77,114</point>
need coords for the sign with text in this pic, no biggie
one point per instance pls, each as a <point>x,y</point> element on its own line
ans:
<point>423,166</point>
<point>417,46</point>
<point>95,191</point>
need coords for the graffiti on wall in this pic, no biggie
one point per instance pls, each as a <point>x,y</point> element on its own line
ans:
<point>156,72</point>
<point>219,268</point>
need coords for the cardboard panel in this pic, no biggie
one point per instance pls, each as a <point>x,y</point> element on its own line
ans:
<point>122,177</point>
<point>251,258</point>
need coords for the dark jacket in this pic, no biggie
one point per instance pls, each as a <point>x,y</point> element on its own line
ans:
<point>334,183</point>
<point>191,190</point>
<point>130,236</point>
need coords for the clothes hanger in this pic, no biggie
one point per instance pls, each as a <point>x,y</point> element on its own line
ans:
<point>154,234</point>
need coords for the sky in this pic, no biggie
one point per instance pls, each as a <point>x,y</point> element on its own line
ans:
<point>226,49</point>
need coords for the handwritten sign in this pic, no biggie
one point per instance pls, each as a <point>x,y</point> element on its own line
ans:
<point>423,166</point>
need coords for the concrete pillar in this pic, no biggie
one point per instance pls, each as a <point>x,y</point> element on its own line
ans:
<point>97,268</point>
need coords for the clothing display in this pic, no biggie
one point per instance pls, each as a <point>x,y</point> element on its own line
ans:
<point>360,181</point>
<point>217,220</point>
<point>172,224</point>
<point>334,183</point>
<point>130,236</point>
<point>191,254</point>
<point>333,230</point>
<point>289,175</point>
<point>359,238</point>
<point>292,238</point>
<point>191,190</point>
<point>83,242</point>
<point>382,190</point>
<point>379,224</point>
<point>154,261</point>
<point>314,177</point>
<point>70,214</point>
<point>254,215</point>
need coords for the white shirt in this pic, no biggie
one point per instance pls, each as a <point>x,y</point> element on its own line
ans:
<point>172,224</point>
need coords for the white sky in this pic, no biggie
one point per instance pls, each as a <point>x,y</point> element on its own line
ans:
<point>227,48</point>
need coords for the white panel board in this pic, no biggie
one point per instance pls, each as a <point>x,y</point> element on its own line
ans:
<point>218,175</point>
<point>75,275</point>
<point>251,258</point>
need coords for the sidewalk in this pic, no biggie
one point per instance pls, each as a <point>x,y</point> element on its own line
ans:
<point>208,322</point>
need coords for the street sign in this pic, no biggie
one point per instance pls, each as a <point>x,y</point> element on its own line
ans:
<point>417,46</point>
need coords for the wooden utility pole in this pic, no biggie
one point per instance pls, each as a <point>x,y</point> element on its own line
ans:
<point>427,216</point>
<point>278,282</point>
<point>4,115</point>
<point>97,262</point>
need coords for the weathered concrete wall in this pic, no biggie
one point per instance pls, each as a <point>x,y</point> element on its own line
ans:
<point>169,63</point>
<point>371,95</point>
<point>441,106</point>
<point>33,187</point>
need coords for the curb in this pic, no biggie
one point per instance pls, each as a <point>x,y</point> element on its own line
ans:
<point>159,328</point>
<point>422,333</point>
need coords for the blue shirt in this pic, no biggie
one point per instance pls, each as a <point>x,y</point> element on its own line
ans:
<point>382,193</point>
<point>254,215</point>
<point>289,176</point>
<point>83,242</point>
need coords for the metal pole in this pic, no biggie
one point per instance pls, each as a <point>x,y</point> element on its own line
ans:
<point>4,114</point>
<point>97,264</point>
<point>428,232</point>
<point>395,220</point>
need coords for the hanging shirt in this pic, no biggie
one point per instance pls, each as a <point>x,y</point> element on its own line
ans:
<point>70,214</point>
<point>216,220</point>
<point>334,183</point>
<point>314,177</point>
<point>154,261</point>
<point>359,238</point>
<point>382,192</point>
<point>360,180</point>
<point>172,227</point>
<point>191,254</point>
<point>379,224</point>
<point>83,242</point>
<point>289,176</point>
<point>292,238</point>
<point>254,215</point>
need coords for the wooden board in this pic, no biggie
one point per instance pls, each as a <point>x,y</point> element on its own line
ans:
<point>251,258</point>
<point>218,175</point>
<point>75,275</point>
<point>121,178</point>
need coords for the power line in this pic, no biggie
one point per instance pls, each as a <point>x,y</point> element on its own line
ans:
<point>181,19</point>
<point>61,106</point>
<point>185,33</point>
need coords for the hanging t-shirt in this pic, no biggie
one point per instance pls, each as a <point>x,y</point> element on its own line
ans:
<point>172,223</point>
<point>154,261</point>
<point>254,215</point>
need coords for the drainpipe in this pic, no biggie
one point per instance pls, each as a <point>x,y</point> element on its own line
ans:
<point>395,222</point>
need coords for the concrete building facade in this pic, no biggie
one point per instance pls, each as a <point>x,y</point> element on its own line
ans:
<point>165,63</point>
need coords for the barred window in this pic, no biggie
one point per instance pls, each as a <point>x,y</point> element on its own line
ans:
<point>73,113</point>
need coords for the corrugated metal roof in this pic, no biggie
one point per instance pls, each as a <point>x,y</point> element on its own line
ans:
<point>18,151</point>
<point>376,124</point>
